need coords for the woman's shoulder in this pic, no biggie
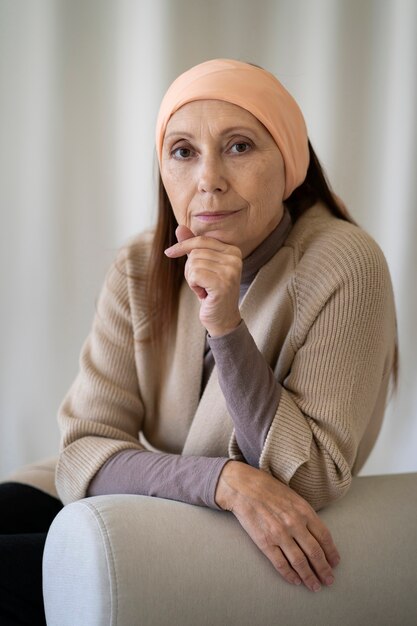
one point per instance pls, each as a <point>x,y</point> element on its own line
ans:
<point>133,256</point>
<point>339,266</point>
<point>123,294</point>
<point>334,247</point>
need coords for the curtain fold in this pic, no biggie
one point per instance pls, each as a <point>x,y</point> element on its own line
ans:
<point>80,85</point>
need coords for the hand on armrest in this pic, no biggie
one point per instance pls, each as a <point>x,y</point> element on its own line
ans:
<point>280,522</point>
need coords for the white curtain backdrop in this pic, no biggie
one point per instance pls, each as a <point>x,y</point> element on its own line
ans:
<point>80,84</point>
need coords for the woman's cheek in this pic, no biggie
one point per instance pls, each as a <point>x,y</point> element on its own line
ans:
<point>181,210</point>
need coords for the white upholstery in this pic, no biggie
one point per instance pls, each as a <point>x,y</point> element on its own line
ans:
<point>132,560</point>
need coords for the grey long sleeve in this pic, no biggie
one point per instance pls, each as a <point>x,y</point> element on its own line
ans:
<point>251,392</point>
<point>188,479</point>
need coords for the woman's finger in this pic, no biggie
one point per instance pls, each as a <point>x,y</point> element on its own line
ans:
<point>182,233</point>
<point>300,564</point>
<point>322,534</point>
<point>212,256</point>
<point>281,564</point>
<point>217,273</point>
<point>186,246</point>
<point>316,557</point>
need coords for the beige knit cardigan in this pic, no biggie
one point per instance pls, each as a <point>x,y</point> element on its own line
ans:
<point>322,313</point>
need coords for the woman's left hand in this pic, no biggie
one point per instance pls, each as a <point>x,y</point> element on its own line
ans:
<point>281,523</point>
<point>213,270</point>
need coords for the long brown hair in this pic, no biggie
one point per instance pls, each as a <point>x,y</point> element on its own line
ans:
<point>165,275</point>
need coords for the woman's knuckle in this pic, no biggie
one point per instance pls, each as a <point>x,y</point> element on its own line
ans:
<point>282,566</point>
<point>287,520</point>
<point>300,562</point>
<point>237,253</point>
<point>325,538</point>
<point>316,554</point>
<point>263,544</point>
<point>296,527</point>
<point>278,534</point>
<point>304,511</point>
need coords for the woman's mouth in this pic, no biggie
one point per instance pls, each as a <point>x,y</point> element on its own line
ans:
<point>215,216</point>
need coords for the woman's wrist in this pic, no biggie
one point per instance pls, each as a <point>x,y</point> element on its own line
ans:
<point>226,494</point>
<point>225,329</point>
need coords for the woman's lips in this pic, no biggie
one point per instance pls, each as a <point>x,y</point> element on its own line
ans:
<point>213,216</point>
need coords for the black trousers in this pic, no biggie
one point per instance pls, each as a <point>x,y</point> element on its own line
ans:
<point>25,516</point>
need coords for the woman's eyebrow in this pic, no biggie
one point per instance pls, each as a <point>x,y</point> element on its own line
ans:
<point>238,130</point>
<point>226,131</point>
<point>178,133</point>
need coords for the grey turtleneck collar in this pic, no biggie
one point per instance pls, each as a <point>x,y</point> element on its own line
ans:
<point>264,252</point>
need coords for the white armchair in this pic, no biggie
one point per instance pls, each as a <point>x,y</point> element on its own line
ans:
<point>134,560</point>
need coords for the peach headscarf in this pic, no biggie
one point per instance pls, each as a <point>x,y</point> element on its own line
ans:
<point>253,89</point>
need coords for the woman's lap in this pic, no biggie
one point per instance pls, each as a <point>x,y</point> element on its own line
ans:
<point>24,509</point>
<point>25,516</point>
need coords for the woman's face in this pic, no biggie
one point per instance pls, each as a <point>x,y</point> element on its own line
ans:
<point>223,173</point>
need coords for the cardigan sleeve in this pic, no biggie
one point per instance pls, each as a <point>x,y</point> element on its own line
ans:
<point>101,417</point>
<point>103,411</point>
<point>343,351</point>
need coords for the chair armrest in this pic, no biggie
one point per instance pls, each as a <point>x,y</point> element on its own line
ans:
<point>129,560</point>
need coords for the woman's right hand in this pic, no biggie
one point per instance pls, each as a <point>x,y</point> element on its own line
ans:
<point>281,523</point>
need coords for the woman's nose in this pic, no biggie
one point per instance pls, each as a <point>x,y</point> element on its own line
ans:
<point>211,175</point>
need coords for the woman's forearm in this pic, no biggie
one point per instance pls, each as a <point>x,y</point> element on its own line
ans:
<point>251,392</point>
<point>190,479</point>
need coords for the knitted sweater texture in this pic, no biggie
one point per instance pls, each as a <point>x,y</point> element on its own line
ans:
<point>322,313</point>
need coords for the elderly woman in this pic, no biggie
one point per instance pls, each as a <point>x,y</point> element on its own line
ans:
<point>241,352</point>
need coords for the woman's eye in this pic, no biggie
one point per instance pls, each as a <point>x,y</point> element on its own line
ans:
<point>240,147</point>
<point>181,153</point>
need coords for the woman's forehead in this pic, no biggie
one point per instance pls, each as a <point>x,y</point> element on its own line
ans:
<point>218,112</point>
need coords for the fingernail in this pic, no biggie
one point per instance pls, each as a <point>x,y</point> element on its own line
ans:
<point>168,251</point>
<point>297,581</point>
<point>329,581</point>
<point>316,587</point>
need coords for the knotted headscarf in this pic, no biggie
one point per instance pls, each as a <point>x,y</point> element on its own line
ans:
<point>253,89</point>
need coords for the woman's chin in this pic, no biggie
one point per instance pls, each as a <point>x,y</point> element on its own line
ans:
<point>221,234</point>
